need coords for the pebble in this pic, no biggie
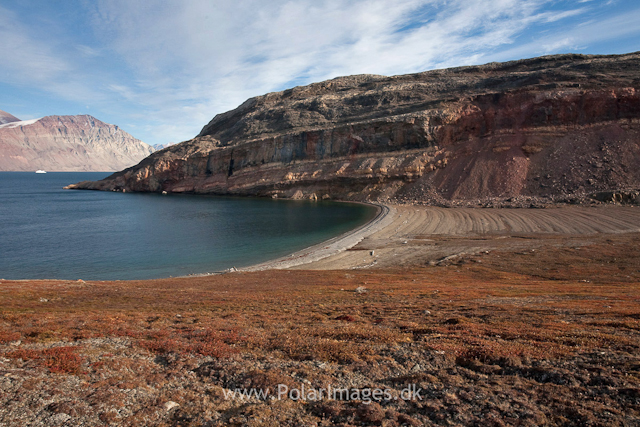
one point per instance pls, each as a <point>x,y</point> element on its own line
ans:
<point>170,405</point>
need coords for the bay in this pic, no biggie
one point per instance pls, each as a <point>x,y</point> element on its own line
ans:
<point>50,233</point>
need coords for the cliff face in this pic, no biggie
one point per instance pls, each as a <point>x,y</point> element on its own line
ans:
<point>68,143</point>
<point>558,127</point>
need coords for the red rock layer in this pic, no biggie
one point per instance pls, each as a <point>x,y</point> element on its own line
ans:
<point>559,127</point>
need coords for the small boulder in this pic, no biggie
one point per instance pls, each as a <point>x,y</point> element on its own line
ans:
<point>170,405</point>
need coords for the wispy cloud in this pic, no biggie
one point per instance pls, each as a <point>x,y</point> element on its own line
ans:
<point>577,38</point>
<point>87,51</point>
<point>33,62</point>
<point>173,65</point>
<point>25,60</point>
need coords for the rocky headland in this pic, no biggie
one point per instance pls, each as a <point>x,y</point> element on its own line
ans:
<point>561,128</point>
<point>66,143</point>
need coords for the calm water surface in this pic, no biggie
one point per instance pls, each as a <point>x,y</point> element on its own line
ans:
<point>50,233</point>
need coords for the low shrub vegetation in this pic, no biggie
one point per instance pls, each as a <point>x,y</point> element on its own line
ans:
<point>487,343</point>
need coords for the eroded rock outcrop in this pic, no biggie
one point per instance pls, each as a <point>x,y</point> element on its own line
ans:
<point>68,143</point>
<point>557,127</point>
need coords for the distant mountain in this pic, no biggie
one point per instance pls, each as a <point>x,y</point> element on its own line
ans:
<point>67,143</point>
<point>7,118</point>
<point>158,147</point>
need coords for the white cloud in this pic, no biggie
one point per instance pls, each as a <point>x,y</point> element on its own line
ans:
<point>23,58</point>
<point>172,65</point>
<point>87,50</point>
<point>577,37</point>
<point>30,61</point>
<point>195,59</point>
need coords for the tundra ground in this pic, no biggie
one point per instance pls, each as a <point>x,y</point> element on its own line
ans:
<point>543,337</point>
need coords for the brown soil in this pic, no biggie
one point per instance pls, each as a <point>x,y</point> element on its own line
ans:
<point>543,337</point>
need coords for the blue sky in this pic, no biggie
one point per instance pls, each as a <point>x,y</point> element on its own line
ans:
<point>162,70</point>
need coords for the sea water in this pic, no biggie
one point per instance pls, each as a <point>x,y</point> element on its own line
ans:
<point>50,233</point>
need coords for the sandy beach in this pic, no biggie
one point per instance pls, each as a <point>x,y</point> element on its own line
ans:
<point>402,235</point>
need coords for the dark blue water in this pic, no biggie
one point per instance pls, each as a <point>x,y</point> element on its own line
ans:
<point>50,233</point>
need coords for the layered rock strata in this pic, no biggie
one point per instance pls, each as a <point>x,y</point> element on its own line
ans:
<point>68,143</point>
<point>557,127</point>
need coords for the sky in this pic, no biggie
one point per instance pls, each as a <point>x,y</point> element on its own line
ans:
<point>161,70</point>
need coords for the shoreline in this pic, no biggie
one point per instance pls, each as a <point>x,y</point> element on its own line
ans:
<point>411,236</point>
<point>329,247</point>
<point>414,236</point>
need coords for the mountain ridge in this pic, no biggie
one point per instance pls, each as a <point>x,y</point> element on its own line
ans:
<point>7,118</point>
<point>68,143</point>
<point>463,135</point>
